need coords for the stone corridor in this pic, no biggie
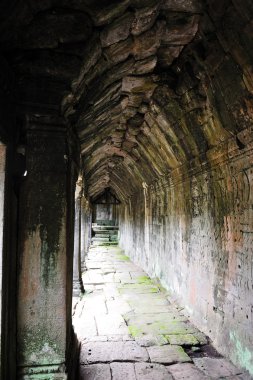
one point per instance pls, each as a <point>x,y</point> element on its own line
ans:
<point>130,328</point>
<point>126,122</point>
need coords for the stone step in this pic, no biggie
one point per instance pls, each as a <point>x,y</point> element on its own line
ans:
<point>103,228</point>
<point>106,234</point>
<point>102,235</point>
<point>100,243</point>
<point>100,239</point>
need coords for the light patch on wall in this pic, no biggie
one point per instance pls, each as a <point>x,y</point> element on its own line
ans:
<point>242,355</point>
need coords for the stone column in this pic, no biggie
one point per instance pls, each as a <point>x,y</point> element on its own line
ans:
<point>44,314</point>
<point>85,230</point>
<point>83,234</point>
<point>77,273</point>
<point>2,198</point>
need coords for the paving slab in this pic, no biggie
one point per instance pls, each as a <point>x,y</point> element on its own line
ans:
<point>147,318</point>
<point>95,304</point>
<point>95,372</point>
<point>168,354</point>
<point>111,324</point>
<point>85,327</point>
<point>216,367</point>
<point>183,339</point>
<point>148,371</point>
<point>151,340</point>
<point>161,328</point>
<point>187,371</point>
<point>104,352</point>
<point>131,329</point>
<point>123,371</point>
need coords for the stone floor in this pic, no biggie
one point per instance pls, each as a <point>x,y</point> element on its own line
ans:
<point>129,328</point>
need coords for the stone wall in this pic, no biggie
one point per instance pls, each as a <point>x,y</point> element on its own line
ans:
<point>2,182</point>
<point>193,230</point>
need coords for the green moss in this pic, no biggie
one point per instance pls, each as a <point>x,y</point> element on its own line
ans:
<point>135,331</point>
<point>122,257</point>
<point>37,347</point>
<point>144,280</point>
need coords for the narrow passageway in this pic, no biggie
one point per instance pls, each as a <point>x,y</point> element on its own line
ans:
<point>131,329</point>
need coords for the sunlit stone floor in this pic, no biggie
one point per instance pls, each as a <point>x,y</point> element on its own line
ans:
<point>130,329</point>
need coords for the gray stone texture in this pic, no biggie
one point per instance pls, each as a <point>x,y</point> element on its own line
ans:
<point>95,372</point>
<point>168,354</point>
<point>94,352</point>
<point>151,371</point>
<point>156,100</point>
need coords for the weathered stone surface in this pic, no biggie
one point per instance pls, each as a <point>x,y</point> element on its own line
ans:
<point>147,43</point>
<point>112,351</point>
<point>123,371</point>
<point>117,31</point>
<point>147,371</point>
<point>110,324</point>
<point>168,354</point>
<point>183,340</point>
<point>151,340</point>
<point>186,371</point>
<point>216,367</point>
<point>182,5</point>
<point>144,19</point>
<point>95,371</point>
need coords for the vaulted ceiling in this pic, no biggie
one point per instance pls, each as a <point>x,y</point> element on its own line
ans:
<point>148,85</point>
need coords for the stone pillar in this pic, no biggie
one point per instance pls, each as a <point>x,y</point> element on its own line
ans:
<point>44,269</point>
<point>77,273</point>
<point>83,234</point>
<point>2,198</point>
<point>85,230</point>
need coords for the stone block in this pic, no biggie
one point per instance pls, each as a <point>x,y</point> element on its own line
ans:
<point>94,372</point>
<point>168,354</point>
<point>183,339</point>
<point>216,367</point>
<point>104,352</point>
<point>151,371</point>
<point>123,371</point>
<point>187,371</point>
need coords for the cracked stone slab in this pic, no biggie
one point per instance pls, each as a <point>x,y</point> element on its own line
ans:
<point>104,352</point>
<point>94,372</point>
<point>216,367</point>
<point>186,371</point>
<point>183,339</point>
<point>151,371</point>
<point>123,371</point>
<point>151,340</point>
<point>168,354</point>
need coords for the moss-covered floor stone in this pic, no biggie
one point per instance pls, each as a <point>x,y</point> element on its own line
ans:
<point>130,329</point>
